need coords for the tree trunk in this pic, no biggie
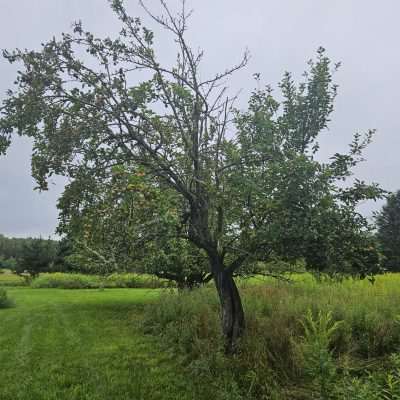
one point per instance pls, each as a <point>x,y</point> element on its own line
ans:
<point>233,322</point>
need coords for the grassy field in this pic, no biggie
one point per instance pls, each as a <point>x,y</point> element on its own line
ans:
<point>305,340</point>
<point>82,344</point>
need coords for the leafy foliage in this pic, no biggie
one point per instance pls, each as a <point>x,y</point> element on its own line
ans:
<point>37,256</point>
<point>61,261</point>
<point>296,204</point>
<point>59,280</point>
<point>13,249</point>
<point>10,250</point>
<point>128,223</point>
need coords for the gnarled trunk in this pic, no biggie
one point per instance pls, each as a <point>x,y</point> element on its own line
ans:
<point>233,322</point>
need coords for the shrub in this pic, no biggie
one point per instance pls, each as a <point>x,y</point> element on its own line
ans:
<point>10,279</point>
<point>65,281</point>
<point>81,281</point>
<point>132,280</point>
<point>4,300</point>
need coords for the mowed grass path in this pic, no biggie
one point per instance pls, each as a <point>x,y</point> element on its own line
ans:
<point>82,344</point>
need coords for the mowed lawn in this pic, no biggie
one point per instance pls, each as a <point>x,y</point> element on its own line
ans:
<point>82,344</point>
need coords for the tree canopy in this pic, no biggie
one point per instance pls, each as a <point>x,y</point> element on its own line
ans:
<point>12,250</point>
<point>37,255</point>
<point>128,223</point>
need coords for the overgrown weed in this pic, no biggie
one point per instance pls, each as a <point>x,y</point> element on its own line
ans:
<point>304,340</point>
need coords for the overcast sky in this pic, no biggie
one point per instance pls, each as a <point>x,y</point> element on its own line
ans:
<point>281,35</point>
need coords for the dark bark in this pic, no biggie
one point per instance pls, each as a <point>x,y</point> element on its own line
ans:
<point>232,314</point>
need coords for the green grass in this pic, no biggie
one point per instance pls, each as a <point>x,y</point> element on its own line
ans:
<point>306,340</point>
<point>83,344</point>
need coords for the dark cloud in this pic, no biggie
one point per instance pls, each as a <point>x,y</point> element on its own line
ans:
<point>281,35</point>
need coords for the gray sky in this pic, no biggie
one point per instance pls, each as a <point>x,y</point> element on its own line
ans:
<point>281,35</point>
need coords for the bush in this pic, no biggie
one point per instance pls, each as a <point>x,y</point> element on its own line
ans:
<point>81,281</point>
<point>10,279</point>
<point>4,300</point>
<point>65,281</point>
<point>131,280</point>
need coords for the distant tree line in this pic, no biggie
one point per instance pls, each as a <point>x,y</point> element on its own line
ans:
<point>33,255</point>
<point>11,249</point>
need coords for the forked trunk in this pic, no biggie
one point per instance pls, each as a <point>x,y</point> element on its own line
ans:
<point>233,322</point>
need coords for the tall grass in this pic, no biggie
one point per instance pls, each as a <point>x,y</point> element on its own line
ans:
<point>304,340</point>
